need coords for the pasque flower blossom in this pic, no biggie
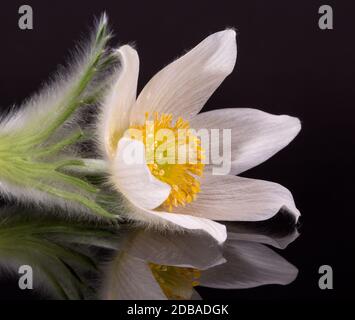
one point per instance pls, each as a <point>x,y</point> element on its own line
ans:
<point>190,196</point>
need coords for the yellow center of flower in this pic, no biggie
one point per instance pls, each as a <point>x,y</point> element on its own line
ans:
<point>176,282</point>
<point>174,155</point>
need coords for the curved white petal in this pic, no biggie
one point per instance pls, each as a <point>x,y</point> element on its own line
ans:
<point>232,198</point>
<point>184,86</point>
<point>256,135</point>
<point>188,249</point>
<point>249,265</point>
<point>115,112</point>
<point>132,177</point>
<point>130,278</point>
<point>179,222</point>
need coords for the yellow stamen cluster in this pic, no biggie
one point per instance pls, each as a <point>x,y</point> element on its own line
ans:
<point>182,176</point>
<point>176,282</point>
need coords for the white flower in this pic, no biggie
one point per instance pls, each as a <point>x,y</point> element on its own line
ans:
<point>180,90</point>
<point>152,265</point>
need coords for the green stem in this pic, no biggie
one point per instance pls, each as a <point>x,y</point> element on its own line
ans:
<point>76,136</point>
<point>88,167</point>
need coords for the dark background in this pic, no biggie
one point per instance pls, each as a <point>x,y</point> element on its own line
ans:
<point>285,65</point>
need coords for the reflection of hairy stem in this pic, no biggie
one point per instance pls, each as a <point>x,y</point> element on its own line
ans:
<point>50,246</point>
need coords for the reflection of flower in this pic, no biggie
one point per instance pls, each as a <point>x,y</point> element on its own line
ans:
<point>59,252</point>
<point>155,266</point>
<point>180,90</point>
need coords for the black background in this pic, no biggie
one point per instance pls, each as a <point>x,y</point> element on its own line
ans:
<point>285,65</point>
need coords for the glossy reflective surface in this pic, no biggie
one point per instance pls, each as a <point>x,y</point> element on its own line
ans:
<point>82,260</point>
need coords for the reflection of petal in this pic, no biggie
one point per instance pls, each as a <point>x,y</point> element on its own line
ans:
<point>231,198</point>
<point>195,295</point>
<point>188,249</point>
<point>256,135</point>
<point>129,278</point>
<point>249,265</point>
<point>184,86</point>
<point>237,231</point>
<point>170,259</point>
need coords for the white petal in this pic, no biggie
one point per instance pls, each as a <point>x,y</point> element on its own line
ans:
<point>179,222</point>
<point>188,249</point>
<point>249,265</point>
<point>115,114</point>
<point>256,135</point>
<point>184,86</point>
<point>129,278</point>
<point>133,178</point>
<point>231,198</point>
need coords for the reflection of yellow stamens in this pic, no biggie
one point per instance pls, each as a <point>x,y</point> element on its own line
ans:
<point>176,282</point>
<point>182,176</point>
